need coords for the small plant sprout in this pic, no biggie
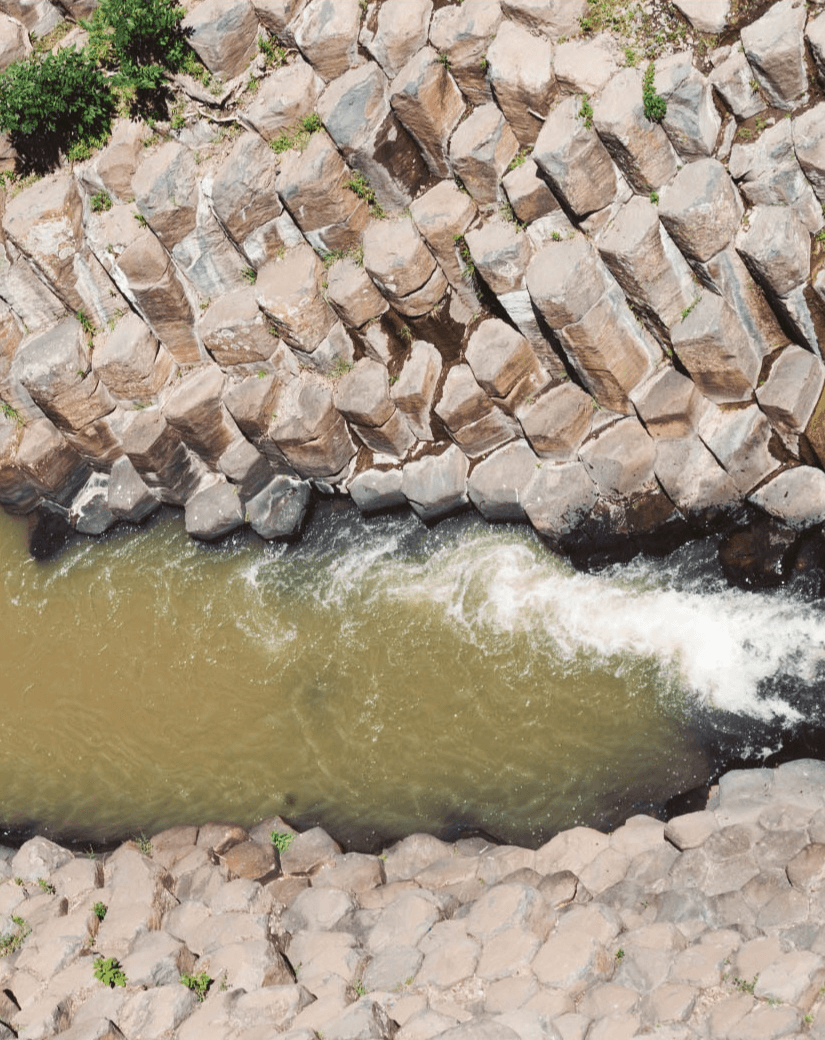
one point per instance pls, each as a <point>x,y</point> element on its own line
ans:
<point>281,840</point>
<point>101,202</point>
<point>444,59</point>
<point>655,105</point>
<point>199,984</point>
<point>99,910</point>
<point>46,886</point>
<point>620,954</point>
<point>359,988</point>
<point>12,415</point>
<point>12,942</point>
<point>250,275</point>
<point>144,844</point>
<point>586,112</point>
<point>360,186</point>
<point>108,971</point>
<point>654,198</point>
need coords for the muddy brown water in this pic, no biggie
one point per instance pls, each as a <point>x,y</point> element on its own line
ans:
<point>379,678</point>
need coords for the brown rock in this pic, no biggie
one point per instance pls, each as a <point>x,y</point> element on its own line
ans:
<point>310,431</point>
<point>285,97</point>
<point>528,194</point>
<point>250,859</point>
<point>558,420</point>
<point>131,362</point>
<point>166,191</point>
<point>400,31</point>
<point>701,209</point>
<point>288,291</point>
<point>224,35</point>
<point>440,215</point>
<point>481,150</point>
<point>463,32</point>
<point>427,101</point>
<point>520,68</point>
<point>194,409</point>
<point>327,36</point>
<point>234,330</point>
<point>352,294</point>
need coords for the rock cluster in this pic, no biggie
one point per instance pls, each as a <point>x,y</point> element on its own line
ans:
<point>709,925</point>
<point>469,270</point>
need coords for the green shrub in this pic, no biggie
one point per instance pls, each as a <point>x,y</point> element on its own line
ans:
<point>109,972</point>
<point>52,102</point>
<point>655,105</point>
<point>281,840</point>
<point>199,984</point>
<point>99,910</point>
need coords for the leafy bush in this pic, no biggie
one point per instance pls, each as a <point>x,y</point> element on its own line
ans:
<point>52,102</point>
<point>281,840</point>
<point>99,910</point>
<point>139,40</point>
<point>199,984</point>
<point>109,972</point>
<point>655,104</point>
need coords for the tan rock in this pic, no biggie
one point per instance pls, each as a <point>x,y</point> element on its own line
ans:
<point>400,31</point>
<point>442,214</point>
<point>528,194</point>
<point>472,420</point>
<point>552,18</point>
<point>701,209</point>
<point>116,164</point>
<point>288,291</point>
<point>775,48</point>
<point>234,330</point>
<point>312,435</point>
<point>669,404</point>
<point>194,409</point>
<point>396,258</point>
<point>504,364</point>
<point>131,362</point>
<point>428,103</point>
<point>557,421</point>
<point>166,192</point>
<point>463,32</point>
<point>224,35</point>
<point>352,293</point>
<point>14,42</point>
<point>481,150</point>
<point>243,192</point>
<point>414,391</point>
<point>285,97</point>
<point>327,36</point>
<point>520,69</point>
<point>49,462</point>
<point>585,66</point>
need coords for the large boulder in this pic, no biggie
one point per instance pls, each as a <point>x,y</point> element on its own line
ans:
<point>289,292</point>
<point>740,440</point>
<point>701,209</point>
<point>620,458</point>
<point>280,509</point>
<point>224,35</point>
<point>414,390</point>
<point>129,496</point>
<point>194,409</point>
<point>234,330</point>
<point>691,121</point>
<point>498,484</point>
<point>706,16</point>
<point>796,497</point>
<point>427,101</point>
<point>734,82</point>
<point>161,458</point>
<point>14,42</point>
<point>310,431</point>
<point>669,404</point>
<point>442,215</point>
<point>463,32</point>
<point>362,396</point>
<point>559,498</point>
<point>214,512</point>
<point>504,364</point>
<point>481,150</point>
<point>692,478</point>
<point>285,97</point>
<point>792,390</point>
<point>528,194</point>
<point>398,31</point>
<point>520,69</point>
<point>809,146</point>
<point>775,47</point>
<point>436,485</point>
<point>352,293</point>
<point>551,18</point>
<point>131,362</point>
<point>327,35</point>
<point>166,192</point>
<point>470,417</point>
<point>557,421</point>
<point>403,268</point>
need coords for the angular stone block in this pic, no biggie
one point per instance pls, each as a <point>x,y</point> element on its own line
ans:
<point>234,330</point>
<point>691,476</point>
<point>557,421</point>
<point>358,117</point>
<point>706,16</point>
<point>620,458</point>
<point>692,122</point>
<point>243,465</point>
<point>559,498</point>
<point>398,261</point>
<point>442,215</point>
<point>575,161</point>
<point>161,458</point>
<point>353,294</point>
<point>224,35</point>
<point>376,490</point>
<point>214,512</point>
<point>734,82</point>
<point>285,97</point>
<point>520,69</point>
<point>716,350</point>
<point>501,254</point>
<point>497,485</point>
<point>792,389</point>
<point>276,16</point>
<point>769,174</point>
<point>289,292</point>
<point>327,35</point>
<point>363,394</point>
<point>89,511</point>
<point>436,485</point>
<point>528,194</point>
<point>701,209</point>
<point>463,32</point>
<point>131,362</point>
<point>739,439</point>
<point>775,47</point>
<point>815,35</point>
<point>639,147</point>
<point>401,29</point>
<point>310,431</point>
<point>552,18</point>
<point>481,150</point>
<point>796,497</point>
<point>472,420</point>
<point>166,192</point>
<point>809,146</point>
<point>414,391</point>
<point>194,409</point>
<point>669,404</point>
<point>652,273</point>
<point>52,466</point>
<point>115,166</point>
<point>504,364</point>
<point>279,510</point>
<point>428,103</point>
<point>776,248</point>
<point>129,497</point>
<point>585,66</point>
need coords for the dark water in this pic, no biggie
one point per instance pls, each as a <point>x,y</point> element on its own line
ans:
<point>382,678</point>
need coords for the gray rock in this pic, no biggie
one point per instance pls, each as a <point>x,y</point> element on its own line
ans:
<point>131,362</point>
<point>706,16</point>
<point>691,121</point>
<point>414,390</point>
<point>701,209</point>
<point>224,35</point>
<point>327,36</point>
<point>815,35</point>
<point>574,160</point>
<point>669,404</point>
<point>289,292</point>
<point>376,490</point>
<point>401,30</point>
<point>89,512</point>
<point>809,145</point>
<point>554,18</point>
<point>37,858</point>
<point>214,512</point>
<point>463,32</point>
<point>691,477</point>
<point>400,264</point>
<point>796,497</point>
<point>480,152</point>
<point>559,498</point>
<point>740,440</point>
<point>285,97</point>
<point>792,389</point>
<point>520,70</point>
<point>776,248</point>
<point>620,458</point>
<point>472,420</point>
<point>310,431</point>
<point>279,510</point>
<point>775,47</point>
<point>504,364</point>
<point>734,81</point>
<point>436,485</point>
<point>557,421</point>
<point>498,484</point>
<point>528,194</point>
<point>440,215</point>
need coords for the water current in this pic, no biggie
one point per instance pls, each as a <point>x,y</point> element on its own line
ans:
<point>380,678</point>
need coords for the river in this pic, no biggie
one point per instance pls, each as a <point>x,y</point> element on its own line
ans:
<point>380,678</point>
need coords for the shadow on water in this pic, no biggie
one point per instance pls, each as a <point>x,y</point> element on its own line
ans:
<point>545,697</point>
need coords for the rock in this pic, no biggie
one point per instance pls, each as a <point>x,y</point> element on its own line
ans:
<point>436,485</point>
<point>352,294</point>
<point>310,431</point>
<point>131,362</point>
<point>234,330</point>
<point>463,33</point>
<point>166,191</point>
<point>768,173</point>
<point>480,152</point>
<point>285,97</point>
<point>37,858</point>
<point>89,512</point>
<point>251,859</point>
<point>472,420</point>
<point>557,421</point>
<point>214,512</point>
<point>402,267</point>
<point>809,147</point>
<point>313,184</point>
<point>527,193</point>
<point>585,66</point>
<point>288,291</point>
<point>815,35</point>
<point>129,497</point>
<point>792,389</point>
<point>112,168</point>
<point>776,248</point>
<point>559,498</point>
<point>428,103</point>
<point>327,36</point>
<point>620,458</point>
<point>160,457</point>
<point>669,404</point>
<point>796,497</point>
<point>38,16</point>
<point>14,43</point>
<point>706,16</point>
<point>276,16</point>
<point>716,351</point>
<point>775,47</point>
<point>504,364</point>
<point>498,484</point>
<point>734,82</point>
<point>377,490</point>
<point>701,209</point>
<point>224,35</point>
<point>520,70</point>
<point>401,31</point>
<point>651,271</point>
<point>691,122</point>
<point>194,409</point>
<point>575,161</point>
<point>553,19</point>
<point>691,476</point>
<point>358,117</point>
<point>363,397</point>
<point>440,215</point>
<point>279,510</point>
<point>50,464</point>
<point>639,147</point>
<point>414,391</point>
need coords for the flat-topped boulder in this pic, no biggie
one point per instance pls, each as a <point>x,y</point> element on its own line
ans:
<point>775,47</point>
<point>327,36</point>
<point>701,209</point>
<point>520,69</point>
<point>436,485</point>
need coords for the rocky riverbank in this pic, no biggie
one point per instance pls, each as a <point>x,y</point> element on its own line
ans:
<point>709,925</point>
<point>436,255</point>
